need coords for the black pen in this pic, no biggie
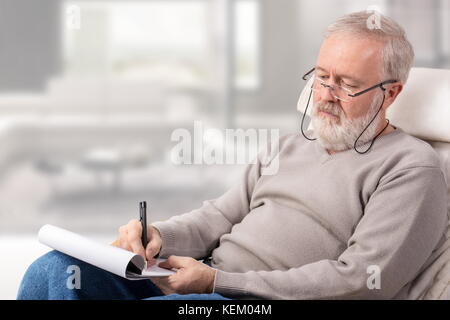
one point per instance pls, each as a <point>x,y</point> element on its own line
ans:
<point>143,219</point>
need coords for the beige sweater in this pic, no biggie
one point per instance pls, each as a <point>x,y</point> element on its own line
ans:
<point>317,228</point>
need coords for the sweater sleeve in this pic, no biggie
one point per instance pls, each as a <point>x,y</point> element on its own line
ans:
<point>197,233</point>
<point>402,223</point>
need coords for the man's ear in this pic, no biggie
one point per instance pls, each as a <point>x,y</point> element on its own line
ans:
<point>391,94</point>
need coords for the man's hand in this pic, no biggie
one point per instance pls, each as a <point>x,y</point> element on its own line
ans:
<point>192,276</point>
<point>130,239</point>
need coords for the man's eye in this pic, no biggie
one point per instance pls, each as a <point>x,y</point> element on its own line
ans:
<point>323,77</point>
<point>348,85</point>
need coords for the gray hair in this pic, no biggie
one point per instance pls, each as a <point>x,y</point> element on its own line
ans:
<point>397,54</point>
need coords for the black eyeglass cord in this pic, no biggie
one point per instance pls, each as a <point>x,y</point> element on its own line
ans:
<point>373,140</point>
<point>354,145</point>
<point>303,119</point>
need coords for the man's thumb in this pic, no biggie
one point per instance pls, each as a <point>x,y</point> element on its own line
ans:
<point>175,262</point>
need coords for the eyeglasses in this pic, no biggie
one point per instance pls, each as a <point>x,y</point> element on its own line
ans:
<point>340,92</point>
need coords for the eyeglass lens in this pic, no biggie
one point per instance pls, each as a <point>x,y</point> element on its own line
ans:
<point>337,91</point>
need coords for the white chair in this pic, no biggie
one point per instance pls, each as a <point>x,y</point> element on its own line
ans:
<point>423,111</point>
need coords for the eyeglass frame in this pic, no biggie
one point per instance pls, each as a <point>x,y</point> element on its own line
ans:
<point>381,84</point>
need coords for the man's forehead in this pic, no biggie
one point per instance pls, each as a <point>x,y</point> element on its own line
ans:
<point>354,57</point>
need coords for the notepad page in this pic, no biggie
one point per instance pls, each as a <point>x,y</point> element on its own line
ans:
<point>156,271</point>
<point>151,271</point>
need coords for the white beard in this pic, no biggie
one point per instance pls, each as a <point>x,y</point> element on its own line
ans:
<point>339,135</point>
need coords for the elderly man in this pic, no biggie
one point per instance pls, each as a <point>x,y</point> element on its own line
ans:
<point>355,210</point>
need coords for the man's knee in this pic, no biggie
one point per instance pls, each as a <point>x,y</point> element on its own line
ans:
<point>43,273</point>
<point>53,261</point>
<point>58,276</point>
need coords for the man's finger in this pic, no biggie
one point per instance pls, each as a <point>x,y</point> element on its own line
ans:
<point>152,249</point>
<point>134,239</point>
<point>123,243</point>
<point>176,262</point>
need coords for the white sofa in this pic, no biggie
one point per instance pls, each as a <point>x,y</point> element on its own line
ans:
<point>77,116</point>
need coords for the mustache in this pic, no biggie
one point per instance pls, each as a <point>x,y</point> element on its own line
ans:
<point>328,107</point>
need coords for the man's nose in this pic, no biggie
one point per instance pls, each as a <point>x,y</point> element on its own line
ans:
<point>328,94</point>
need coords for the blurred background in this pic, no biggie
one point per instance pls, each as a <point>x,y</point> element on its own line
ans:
<point>91,92</point>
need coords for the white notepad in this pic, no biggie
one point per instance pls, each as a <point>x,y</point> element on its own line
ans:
<point>116,260</point>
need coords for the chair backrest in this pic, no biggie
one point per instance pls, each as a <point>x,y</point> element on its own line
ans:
<point>422,110</point>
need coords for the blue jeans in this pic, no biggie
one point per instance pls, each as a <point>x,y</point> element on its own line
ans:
<point>47,279</point>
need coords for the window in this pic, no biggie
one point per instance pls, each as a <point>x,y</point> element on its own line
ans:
<point>154,40</point>
<point>159,40</point>
<point>247,44</point>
